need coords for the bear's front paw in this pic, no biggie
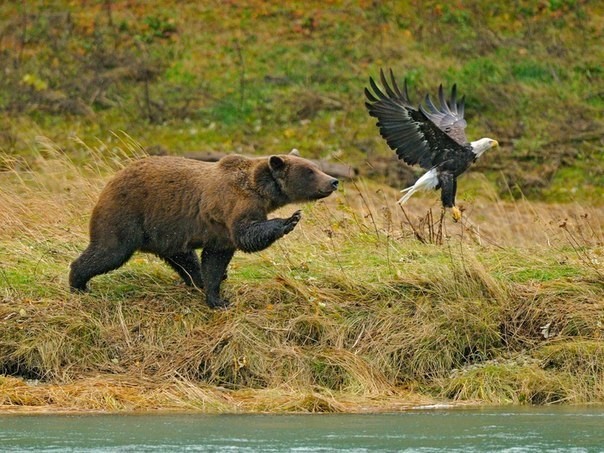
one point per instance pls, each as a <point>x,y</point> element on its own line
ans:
<point>291,223</point>
<point>79,289</point>
<point>217,303</point>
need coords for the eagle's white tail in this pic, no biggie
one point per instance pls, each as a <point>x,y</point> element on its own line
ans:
<point>428,180</point>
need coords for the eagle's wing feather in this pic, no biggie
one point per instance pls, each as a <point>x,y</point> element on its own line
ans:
<point>449,117</point>
<point>425,136</point>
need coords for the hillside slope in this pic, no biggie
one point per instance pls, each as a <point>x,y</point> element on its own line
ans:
<point>260,77</point>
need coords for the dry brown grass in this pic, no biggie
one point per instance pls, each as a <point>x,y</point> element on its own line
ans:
<point>351,312</point>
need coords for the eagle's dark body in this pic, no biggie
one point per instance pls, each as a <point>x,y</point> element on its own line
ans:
<point>429,136</point>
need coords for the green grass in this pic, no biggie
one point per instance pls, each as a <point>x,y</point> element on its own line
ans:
<point>545,272</point>
<point>260,78</point>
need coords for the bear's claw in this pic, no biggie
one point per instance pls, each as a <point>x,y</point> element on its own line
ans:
<point>291,223</point>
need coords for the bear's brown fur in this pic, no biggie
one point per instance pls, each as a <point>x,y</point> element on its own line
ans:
<point>171,206</point>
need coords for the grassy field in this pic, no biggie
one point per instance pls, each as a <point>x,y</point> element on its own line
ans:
<point>365,306</point>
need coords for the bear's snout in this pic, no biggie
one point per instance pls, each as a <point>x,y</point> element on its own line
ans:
<point>328,187</point>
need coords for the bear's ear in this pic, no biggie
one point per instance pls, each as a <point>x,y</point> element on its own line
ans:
<point>276,163</point>
<point>295,152</point>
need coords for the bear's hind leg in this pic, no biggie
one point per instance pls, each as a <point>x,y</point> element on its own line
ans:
<point>214,264</point>
<point>96,260</point>
<point>187,265</point>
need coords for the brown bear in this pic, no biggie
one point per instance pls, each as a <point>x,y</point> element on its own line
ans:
<point>171,206</point>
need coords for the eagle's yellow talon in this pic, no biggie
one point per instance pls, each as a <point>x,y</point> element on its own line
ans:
<point>456,213</point>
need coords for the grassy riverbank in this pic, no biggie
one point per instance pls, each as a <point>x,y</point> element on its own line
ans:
<point>363,307</point>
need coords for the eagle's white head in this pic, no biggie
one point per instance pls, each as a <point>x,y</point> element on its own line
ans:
<point>480,146</point>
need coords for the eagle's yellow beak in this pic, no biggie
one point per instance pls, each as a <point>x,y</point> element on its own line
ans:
<point>494,143</point>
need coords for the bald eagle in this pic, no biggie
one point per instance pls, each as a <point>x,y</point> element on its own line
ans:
<point>433,137</point>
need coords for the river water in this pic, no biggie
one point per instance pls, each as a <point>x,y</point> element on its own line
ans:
<point>558,429</point>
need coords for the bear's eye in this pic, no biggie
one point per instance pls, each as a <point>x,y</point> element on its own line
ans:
<point>308,172</point>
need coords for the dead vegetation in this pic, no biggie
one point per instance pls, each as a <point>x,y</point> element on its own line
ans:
<point>362,308</point>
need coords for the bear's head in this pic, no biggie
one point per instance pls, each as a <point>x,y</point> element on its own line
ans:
<point>300,179</point>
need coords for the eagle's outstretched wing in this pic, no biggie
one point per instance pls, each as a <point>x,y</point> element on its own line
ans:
<point>449,117</point>
<point>426,135</point>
